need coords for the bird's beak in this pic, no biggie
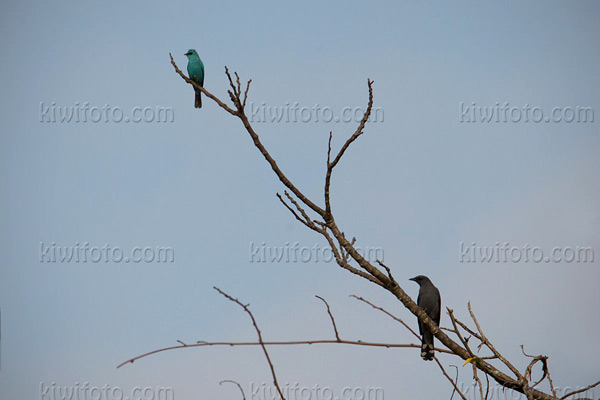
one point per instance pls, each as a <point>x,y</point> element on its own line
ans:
<point>413,279</point>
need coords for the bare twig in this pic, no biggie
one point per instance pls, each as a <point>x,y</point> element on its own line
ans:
<point>247,310</point>
<point>469,330</point>
<point>478,381</point>
<point>305,221</point>
<point>337,335</point>
<point>238,385</point>
<point>462,339</point>
<point>593,385</point>
<point>246,93</point>
<point>383,310</point>
<point>331,165</point>
<point>493,349</point>
<point>309,222</point>
<point>535,359</point>
<point>453,382</point>
<point>389,272</point>
<point>359,130</point>
<point>281,343</point>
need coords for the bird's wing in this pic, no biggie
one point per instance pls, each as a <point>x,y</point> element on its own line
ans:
<point>439,313</point>
<point>202,77</point>
<point>418,320</point>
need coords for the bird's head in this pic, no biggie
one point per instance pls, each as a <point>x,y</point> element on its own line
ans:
<point>191,53</point>
<point>420,279</point>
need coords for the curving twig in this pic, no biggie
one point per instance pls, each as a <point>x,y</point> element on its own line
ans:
<point>383,310</point>
<point>585,389</point>
<point>247,310</point>
<point>238,385</point>
<point>337,335</point>
<point>453,382</point>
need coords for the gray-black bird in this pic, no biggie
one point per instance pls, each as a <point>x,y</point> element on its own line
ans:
<point>429,300</point>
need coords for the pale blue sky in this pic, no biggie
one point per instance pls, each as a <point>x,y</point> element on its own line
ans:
<point>417,185</point>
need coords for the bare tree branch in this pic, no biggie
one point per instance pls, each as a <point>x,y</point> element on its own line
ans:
<point>585,389</point>
<point>535,359</point>
<point>238,385</point>
<point>389,272</point>
<point>453,382</point>
<point>337,335</point>
<point>462,339</point>
<point>388,314</point>
<point>492,348</point>
<point>359,130</point>
<point>280,343</point>
<point>345,252</point>
<point>247,310</point>
<point>478,381</point>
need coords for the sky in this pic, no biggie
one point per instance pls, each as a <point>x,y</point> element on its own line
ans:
<point>487,139</point>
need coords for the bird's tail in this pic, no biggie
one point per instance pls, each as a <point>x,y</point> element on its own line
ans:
<point>198,99</point>
<point>427,352</point>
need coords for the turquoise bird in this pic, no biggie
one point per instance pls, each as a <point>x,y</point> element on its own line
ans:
<point>195,70</point>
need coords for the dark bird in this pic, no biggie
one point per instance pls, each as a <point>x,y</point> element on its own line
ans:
<point>431,302</point>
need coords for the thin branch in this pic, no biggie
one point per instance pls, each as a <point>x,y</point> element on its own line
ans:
<point>343,261</point>
<point>462,339</point>
<point>551,383</point>
<point>239,88</point>
<point>389,272</point>
<point>359,130</point>
<point>235,96</point>
<point>304,222</point>
<point>469,330</point>
<point>478,381</point>
<point>487,386</point>
<point>493,349</point>
<point>328,214</point>
<point>331,165</point>
<point>453,382</point>
<point>300,209</point>
<point>247,310</point>
<point>580,390</point>
<point>383,310</point>
<point>535,359</point>
<point>238,385</point>
<point>281,343</point>
<point>337,335</point>
<point>246,93</point>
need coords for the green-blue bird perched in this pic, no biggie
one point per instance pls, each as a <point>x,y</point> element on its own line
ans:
<point>195,70</point>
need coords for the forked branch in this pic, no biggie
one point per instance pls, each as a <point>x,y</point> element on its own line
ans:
<point>345,252</point>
